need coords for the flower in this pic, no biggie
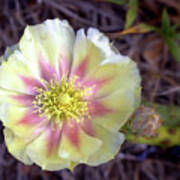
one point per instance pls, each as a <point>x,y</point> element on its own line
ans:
<point>64,97</point>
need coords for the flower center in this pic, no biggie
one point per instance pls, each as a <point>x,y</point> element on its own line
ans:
<point>62,100</point>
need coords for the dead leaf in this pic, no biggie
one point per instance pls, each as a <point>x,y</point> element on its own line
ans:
<point>152,47</point>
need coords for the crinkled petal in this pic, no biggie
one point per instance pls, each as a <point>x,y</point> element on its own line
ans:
<point>87,127</point>
<point>101,41</point>
<point>114,110</point>
<point>13,71</point>
<point>38,151</point>
<point>16,98</point>
<point>22,121</point>
<point>16,146</point>
<point>111,142</point>
<point>48,45</point>
<point>76,145</point>
<point>117,72</point>
<point>9,50</point>
<point>86,55</point>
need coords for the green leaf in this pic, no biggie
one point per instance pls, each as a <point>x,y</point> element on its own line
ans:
<point>170,35</point>
<point>165,20</point>
<point>131,13</point>
<point>174,48</point>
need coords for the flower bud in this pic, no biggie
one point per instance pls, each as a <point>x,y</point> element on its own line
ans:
<point>146,122</point>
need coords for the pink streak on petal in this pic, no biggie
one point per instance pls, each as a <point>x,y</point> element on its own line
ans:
<point>47,71</point>
<point>31,83</point>
<point>24,99</point>
<point>70,130</point>
<point>54,136</point>
<point>81,69</point>
<point>31,118</point>
<point>96,108</point>
<point>64,67</point>
<point>86,125</point>
<point>96,84</point>
<point>38,130</point>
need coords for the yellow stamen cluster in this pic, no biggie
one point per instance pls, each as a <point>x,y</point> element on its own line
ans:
<point>62,100</point>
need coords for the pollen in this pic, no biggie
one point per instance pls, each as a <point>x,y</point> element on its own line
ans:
<point>62,100</point>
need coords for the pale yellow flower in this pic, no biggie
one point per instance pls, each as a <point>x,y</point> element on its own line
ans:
<point>65,96</point>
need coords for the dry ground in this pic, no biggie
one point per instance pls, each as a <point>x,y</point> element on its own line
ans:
<point>160,81</point>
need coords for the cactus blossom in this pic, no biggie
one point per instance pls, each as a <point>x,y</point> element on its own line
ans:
<point>64,97</point>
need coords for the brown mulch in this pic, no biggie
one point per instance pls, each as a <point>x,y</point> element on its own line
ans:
<point>160,81</point>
